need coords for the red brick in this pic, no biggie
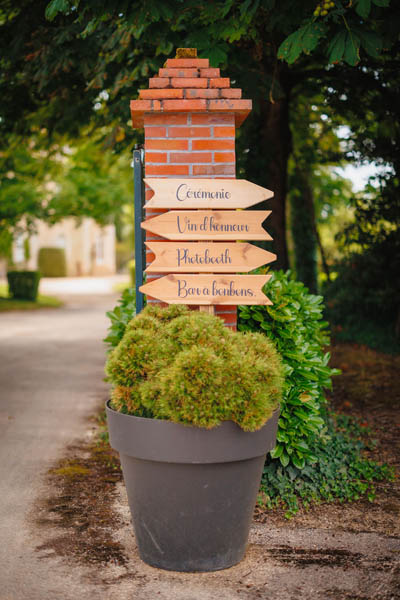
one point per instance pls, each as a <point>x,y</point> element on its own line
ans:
<point>234,93</point>
<point>209,73</point>
<point>152,237</point>
<point>141,105</point>
<point>224,131</point>
<point>150,256</point>
<point>151,132</point>
<point>187,63</point>
<point>162,119</point>
<point>166,144</point>
<point>149,193</point>
<point>220,82</point>
<point>201,93</point>
<point>224,157</point>
<point>180,73</point>
<point>158,82</point>
<point>212,119</point>
<point>163,170</point>
<point>190,157</point>
<point>186,105</point>
<point>188,82</point>
<point>226,104</point>
<point>156,157</point>
<point>202,170</point>
<point>160,94</point>
<point>188,132</point>
<point>213,144</point>
<point>228,318</point>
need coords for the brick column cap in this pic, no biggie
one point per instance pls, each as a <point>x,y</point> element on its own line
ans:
<point>189,85</point>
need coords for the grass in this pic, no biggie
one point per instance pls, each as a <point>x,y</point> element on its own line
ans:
<point>7,303</point>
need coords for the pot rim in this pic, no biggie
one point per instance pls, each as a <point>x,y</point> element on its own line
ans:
<point>165,441</point>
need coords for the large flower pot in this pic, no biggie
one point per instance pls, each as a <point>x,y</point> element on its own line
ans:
<point>191,491</point>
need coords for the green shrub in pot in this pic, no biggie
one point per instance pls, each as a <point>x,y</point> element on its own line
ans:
<point>187,367</point>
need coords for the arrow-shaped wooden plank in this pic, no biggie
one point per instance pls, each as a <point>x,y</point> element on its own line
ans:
<point>210,225</point>
<point>205,193</point>
<point>202,257</point>
<point>208,289</point>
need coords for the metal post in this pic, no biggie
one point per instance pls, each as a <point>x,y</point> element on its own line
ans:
<point>139,243</point>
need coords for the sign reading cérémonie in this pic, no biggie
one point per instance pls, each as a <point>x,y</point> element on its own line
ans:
<point>205,193</point>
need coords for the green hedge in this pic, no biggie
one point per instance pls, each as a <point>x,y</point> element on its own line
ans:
<point>23,285</point>
<point>52,263</point>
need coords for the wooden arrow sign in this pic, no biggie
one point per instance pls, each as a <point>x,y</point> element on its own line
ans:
<point>201,257</point>
<point>210,225</point>
<point>205,193</point>
<point>208,289</point>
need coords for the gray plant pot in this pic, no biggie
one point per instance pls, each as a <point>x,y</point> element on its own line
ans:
<point>191,491</point>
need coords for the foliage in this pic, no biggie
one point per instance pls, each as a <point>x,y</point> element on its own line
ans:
<point>23,285</point>
<point>67,66</point>
<point>312,186</point>
<point>122,314</point>
<point>340,29</point>
<point>52,262</point>
<point>294,323</point>
<point>40,182</point>
<point>187,367</point>
<point>374,300</point>
<point>340,472</point>
<point>25,170</point>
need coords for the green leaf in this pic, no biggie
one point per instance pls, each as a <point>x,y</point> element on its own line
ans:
<point>363,8</point>
<point>284,458</point>
<point>277,451</point>
<point>216,55</point>
<point>336,47</point>
<point>298,462</point>
<point>371,42</point>
<point>383,3</point>
<point>54,7</point>
<point>304,40</point>
<point>352,48</point>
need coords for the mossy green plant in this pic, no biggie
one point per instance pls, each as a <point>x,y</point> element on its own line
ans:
<point>187,367</point>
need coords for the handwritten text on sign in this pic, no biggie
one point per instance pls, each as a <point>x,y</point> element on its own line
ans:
<point>209,225</point>
<point>205,193</point>
<point>201,257</point>
<point>208,289</point>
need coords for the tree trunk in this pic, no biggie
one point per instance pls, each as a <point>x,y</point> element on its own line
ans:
<point>304,229</point>
<point>276,138</point>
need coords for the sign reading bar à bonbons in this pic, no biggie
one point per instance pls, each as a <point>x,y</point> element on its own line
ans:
<point>205,193</point>
<point>208,289</point>
<point>210,225</point>
<point>203,257</point>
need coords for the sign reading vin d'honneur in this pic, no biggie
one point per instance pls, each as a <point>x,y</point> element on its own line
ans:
<point>210,225</point>
<point>214,255</point>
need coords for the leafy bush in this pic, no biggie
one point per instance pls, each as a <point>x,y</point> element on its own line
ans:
<point>187,367</point>
<point>23,285</point>
<point>340,472</point>
<point>52,263</point>
<point>294,323</point>
<point>120,317</point>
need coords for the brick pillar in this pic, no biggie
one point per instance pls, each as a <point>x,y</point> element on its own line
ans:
<point>189,115</point>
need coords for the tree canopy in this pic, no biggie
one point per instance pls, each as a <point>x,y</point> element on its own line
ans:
<point>69,66</point>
